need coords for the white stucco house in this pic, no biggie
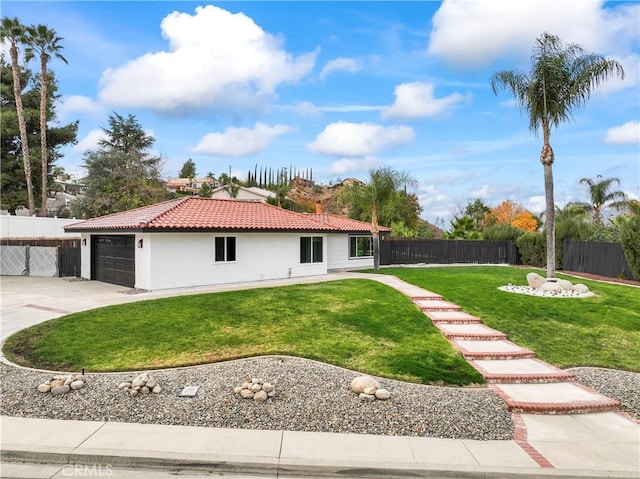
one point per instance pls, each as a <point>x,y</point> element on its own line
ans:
<point>203,241</point>
<point>243,193</point>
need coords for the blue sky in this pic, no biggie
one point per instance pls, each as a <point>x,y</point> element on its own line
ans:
<point>343,87</point>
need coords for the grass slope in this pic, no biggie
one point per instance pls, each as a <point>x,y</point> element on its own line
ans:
<point>357,324</point>
<point>599,331</point>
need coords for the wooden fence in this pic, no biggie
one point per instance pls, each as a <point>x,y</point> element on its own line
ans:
<point>441,251</point>
<point>605,259</point>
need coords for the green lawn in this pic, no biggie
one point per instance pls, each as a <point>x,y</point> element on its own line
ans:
<point>357,324</point>
<point>600,331</point>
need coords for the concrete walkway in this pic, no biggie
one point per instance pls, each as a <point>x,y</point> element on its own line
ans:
<point>602,444</point>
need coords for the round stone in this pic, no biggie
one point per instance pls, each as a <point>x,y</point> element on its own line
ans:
<point>271,393</point>
<point>247,393</point>
<point>359,384</point>
<point>237,390</point>
<point>268,387</point>
<point>56,382</point>
<point>382,394</point>
<point>145,390</point>
<point>367,397</point>
<point>68,381</point>
<point>260,396</point>
<point>151,382</point>
<point>370,390</point>
<point>124,385</point>
<point>133,392</point>
<point>77,384</point>
<point>44,388</point>
<point>246,385</point>
<point>60,390</point>
<point>138,382</point>
<point>255,387</point>
<point>157,389</point>
<point>580,288</point>
<point>257,381</point>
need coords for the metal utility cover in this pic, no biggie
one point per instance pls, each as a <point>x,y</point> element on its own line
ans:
<point>189,391</point>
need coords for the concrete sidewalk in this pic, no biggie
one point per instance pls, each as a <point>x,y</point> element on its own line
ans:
<point>574,450</point>
<point>605,444</point>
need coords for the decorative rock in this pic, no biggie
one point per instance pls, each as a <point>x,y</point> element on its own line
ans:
<point>260,396</point>
<point>534,280</point>
<point>382,394</point>
<point>151,382</point>
<point>271,393</point>
<point>143,383</point>
<point>124,385</point>
<point>44,388</point>
<point>367,397</point>
<point>133,392</point>
<point>237,390</point>
<point>580,288</point>
<point>144,389</point>
<point>58,390</point>
<point>157,389</point>
<point>56,383</point>
<point>359,384</point>
<point>77,384</point>
<point>138,382</point>
<point>552,286</point>
<point>68,381</point>
<point>256,387</point>
<point>565,285</point>
<point>268,387</point>
<point>257,381</point>
<point>370,390</point>
<point>247,393</point>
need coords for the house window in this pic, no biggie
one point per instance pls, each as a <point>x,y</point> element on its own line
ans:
<point>360,246</point>
<point>225,249</point>
<point>311,249</point>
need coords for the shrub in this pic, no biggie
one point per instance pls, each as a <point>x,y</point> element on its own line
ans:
<point>502,232</point>
<point>570,229</point>
<point>533,249</point>
<point>630,239</point>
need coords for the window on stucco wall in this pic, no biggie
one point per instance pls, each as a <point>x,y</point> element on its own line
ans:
<point>360,246</point>
<point>224,249</point>
<point>311,249</point>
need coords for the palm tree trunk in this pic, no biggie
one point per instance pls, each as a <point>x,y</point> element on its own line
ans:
<point>43,131</point>
<point>546,158</point>
<point>13,51</point>
<point>375,232</point>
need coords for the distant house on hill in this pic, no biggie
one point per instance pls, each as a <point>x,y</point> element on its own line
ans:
<point>242,193</point>
<point>189,185</point>
<point>203,241</point>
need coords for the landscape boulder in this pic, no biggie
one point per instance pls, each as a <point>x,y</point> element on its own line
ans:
<point>256,389</point>
<point>143,383</point>
<point>368,389</point>
<point>59,385</point>
<point>535,280</point>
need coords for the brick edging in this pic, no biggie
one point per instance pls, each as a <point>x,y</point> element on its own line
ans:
<point>520,437</point>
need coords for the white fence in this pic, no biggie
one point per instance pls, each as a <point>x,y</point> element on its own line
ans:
<point>35,227</point>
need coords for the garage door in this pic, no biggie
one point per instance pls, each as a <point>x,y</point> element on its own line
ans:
<point>114,260</point>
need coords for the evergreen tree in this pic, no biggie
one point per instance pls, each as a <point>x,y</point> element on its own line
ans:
<point>121,174</point>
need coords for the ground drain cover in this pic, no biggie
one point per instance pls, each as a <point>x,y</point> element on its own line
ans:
<point>188,391</point>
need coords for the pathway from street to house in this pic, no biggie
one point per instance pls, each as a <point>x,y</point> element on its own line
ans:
<point>563,429</point>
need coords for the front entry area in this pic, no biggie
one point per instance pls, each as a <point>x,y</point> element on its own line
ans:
<point>113,259</point>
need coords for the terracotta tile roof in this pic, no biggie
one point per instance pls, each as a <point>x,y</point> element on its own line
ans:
<point>343,223</point>
<point>216,214</point>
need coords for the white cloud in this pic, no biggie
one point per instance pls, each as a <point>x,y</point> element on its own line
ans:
<point>303,108</point>
<point>79,104</point>
<point>351,165</point>
<point>89,142</point>
<point>627,133</point>
<point>536,204</point>
<point>416,100</point>
<point>236,141</point>
<point>359,139</point>
<point>216,60</point>
<point>473,33</point>
<point>340,64</point>
<point>481,193</point>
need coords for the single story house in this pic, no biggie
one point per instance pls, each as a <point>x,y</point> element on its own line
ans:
<point>203,241</point>
<point>242,193</point>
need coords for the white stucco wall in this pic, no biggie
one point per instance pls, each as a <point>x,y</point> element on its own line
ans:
<point>187,259</point>
<point>35,227</point>
<point>85,256</point>
<point>338,254</point>
<point>178,260</point>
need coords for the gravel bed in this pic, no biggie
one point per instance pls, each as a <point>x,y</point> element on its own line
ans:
<point>311,396</point>
<point>621,385</point>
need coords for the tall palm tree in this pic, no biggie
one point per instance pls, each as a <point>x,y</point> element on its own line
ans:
<point>560,82</point>
<point>602,196</point>
<point>13,31</point>
<point>45,43</point>
<point>375,195</point>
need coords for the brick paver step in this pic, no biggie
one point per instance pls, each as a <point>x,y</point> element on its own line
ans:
<point>475,331</point>
<point>498,349</point>
<point>553,398</point>
<point>436,305</point>
<point>517,371</point>
<point>451,317</point>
